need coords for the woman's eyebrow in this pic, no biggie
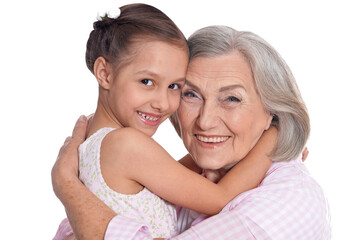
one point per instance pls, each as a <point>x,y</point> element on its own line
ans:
<point>230,87</point>
<point>192,85</point>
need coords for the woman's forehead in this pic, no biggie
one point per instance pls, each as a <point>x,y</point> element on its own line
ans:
<point>220,72</point>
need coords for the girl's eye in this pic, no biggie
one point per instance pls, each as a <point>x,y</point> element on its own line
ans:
<point>147,82</point>
<point>233,99</point>
<point>174,86</point>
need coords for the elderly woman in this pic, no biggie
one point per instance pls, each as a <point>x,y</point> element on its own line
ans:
<point>233,78</point>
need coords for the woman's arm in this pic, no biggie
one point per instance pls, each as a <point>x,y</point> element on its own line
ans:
<point>87,214</point>
<point>83,208</point>
<point>146,162</point>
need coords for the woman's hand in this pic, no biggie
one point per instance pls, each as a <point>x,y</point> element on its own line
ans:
<point>87,214</point>
<point>66,165</point>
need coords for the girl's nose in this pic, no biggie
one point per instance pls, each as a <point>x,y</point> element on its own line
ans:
<point>161,102</point>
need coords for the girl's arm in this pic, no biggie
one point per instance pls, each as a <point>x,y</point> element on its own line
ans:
<point>87,214</point>
<point>188,162</point>
<point>143,160</point>
<point>249,172</point>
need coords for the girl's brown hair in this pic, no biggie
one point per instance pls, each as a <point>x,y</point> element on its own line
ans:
<point>112,38</point>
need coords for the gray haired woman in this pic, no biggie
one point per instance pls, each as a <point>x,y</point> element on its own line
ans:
<point>235,81</point>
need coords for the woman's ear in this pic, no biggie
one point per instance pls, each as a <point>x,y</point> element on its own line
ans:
<point>269,121</point>
<point>102,72</point>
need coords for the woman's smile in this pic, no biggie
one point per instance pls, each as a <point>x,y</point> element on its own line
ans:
<point>221,114</point>
<point>211,141</point>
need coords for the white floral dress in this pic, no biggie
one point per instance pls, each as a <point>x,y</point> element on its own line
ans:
<point>158,214</point>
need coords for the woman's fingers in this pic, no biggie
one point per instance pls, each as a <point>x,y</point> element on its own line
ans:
<point>67,160</point>
<point>78,136</point>
<point>79,131</point>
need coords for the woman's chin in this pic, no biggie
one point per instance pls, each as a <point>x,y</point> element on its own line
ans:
<point>212,164</point>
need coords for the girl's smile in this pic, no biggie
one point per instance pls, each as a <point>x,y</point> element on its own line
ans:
<point>146,91</point>
<point>149,118</point>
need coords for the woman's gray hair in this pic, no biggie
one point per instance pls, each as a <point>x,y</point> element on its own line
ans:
<point>273,79</point>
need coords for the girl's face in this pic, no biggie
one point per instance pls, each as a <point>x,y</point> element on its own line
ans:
<point>146,91</point>
<point>221,114</point>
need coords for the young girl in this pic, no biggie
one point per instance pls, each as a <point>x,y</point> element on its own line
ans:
<point>140,60</point>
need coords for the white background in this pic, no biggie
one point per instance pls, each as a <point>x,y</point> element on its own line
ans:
<point>45,86</point>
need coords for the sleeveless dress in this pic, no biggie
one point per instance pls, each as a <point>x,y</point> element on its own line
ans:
<point>158,214</point>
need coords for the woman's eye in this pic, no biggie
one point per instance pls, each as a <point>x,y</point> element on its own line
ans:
<point>233,99</point>
<point>147,82</point>
<point>174,86</point>
<point>189,94</point>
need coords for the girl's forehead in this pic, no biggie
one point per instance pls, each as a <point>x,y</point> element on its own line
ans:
<point>141,48</point>
<point>157,61</point>
<point>138,42</point>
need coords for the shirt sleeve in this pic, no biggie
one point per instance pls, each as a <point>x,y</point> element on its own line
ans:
<point>225,225</point>
<point>121,227</point>
<point>64,230</point>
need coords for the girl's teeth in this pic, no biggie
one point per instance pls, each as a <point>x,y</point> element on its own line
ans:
<point>148,117</point>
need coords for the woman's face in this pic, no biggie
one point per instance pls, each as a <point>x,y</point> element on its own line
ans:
<point>221,114</point>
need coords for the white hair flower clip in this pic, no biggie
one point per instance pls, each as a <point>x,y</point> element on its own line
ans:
<point>113,14</point>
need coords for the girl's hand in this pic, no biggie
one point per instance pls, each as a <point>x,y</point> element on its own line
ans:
<point>214,175</point>
<point>304,154</point>
<point>70,237</point>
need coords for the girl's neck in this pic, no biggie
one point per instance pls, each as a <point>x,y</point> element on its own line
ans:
<point>101,118</point>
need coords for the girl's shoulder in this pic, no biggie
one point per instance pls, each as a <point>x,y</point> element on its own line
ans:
<point>125,141</point>
<point>118,150</point>
<point>126,136</point>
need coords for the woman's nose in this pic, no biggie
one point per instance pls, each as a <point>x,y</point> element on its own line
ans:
<point>161,102</point>
<point>208,117</point>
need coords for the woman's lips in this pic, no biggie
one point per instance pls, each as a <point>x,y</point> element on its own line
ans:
<point>212,141</point>
<point>149,118</point>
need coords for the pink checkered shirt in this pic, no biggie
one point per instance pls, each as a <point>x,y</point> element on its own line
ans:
<point>288,204</point>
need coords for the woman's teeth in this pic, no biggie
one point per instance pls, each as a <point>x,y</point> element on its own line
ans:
<point>211,139</point>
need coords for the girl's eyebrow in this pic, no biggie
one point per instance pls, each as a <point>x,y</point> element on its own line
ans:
<point>147,72</point>
<point>179,80</point>
<point>154,75</point>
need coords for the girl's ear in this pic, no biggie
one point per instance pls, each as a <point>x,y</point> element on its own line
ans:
<point>102,72</point>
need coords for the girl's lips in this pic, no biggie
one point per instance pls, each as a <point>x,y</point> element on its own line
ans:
<point>212,142</point>
<point>149,118</point>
